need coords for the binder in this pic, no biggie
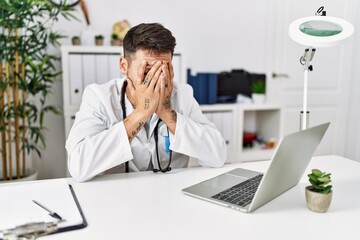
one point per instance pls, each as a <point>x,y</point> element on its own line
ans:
<point>202,88</point>
<point>212,88</point>
<point>17,207</point>
<point>191,80</point>
<point>88,69</point>
<point>205,86</point>
<point>102,68</point>
<point>76,79</point>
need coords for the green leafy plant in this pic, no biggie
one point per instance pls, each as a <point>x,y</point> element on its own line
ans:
<point>258,87</point>
<point>320,181</point>
<point>99,37</point>
<point>114,36</point>
<point>27,74</point>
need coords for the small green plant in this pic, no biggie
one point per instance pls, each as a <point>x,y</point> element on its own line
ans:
<point>114,36</point>
<point>319,181</point>
<point>258,87</point>
<point>99,37</point>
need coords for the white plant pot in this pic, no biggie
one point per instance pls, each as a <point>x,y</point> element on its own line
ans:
<point>258,98</point>
<point>31,175</point>
<point>317,202</point>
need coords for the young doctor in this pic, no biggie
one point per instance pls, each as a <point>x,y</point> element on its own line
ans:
<point>145,121</point>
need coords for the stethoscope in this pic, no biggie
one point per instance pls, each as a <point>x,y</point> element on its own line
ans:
<point>155,170</point>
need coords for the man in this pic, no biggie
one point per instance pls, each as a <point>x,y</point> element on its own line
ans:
<point>144,119</point>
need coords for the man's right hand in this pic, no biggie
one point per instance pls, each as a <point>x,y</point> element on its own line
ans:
<point>143,91</point>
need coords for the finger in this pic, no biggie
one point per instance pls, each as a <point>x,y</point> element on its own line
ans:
<point>164,93</point>
<point>166,71</point>
<point>171,71</point>
<point>151,73</point>
<point>159,88</point>
<point>162,84</point>
<point>140,73</point>
<point>166,76</point>
<point>155,79</point>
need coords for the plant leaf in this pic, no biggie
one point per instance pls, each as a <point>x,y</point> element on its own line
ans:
<point>314,179</point>
<point>317,172</point>
<point>324,180</point>
<point>326,189</point>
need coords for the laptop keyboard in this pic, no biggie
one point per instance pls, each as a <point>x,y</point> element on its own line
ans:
<point>242,193</point>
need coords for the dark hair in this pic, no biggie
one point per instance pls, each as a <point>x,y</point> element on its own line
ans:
<point>149,36</point>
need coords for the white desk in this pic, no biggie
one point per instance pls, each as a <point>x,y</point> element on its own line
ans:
<point>151,206</point>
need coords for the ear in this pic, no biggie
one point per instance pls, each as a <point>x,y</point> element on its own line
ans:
<point>124,64</point>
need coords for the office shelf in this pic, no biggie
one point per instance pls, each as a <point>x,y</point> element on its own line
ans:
<point>234,119</point>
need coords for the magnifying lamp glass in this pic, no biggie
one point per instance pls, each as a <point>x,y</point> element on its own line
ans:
<point>313,32</point>
<point>320,31</point>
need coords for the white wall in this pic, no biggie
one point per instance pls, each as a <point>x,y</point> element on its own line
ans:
<point>211,32</point>
<point>353,127</point>
<point>215,36</point>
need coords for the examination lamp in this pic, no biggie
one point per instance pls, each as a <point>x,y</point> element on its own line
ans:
<point>316,31</point>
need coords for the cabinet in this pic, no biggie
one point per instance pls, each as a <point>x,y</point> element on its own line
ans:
<point>235,119</point>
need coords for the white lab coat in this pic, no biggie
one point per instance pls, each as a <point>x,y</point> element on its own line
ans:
<point>98,142</point>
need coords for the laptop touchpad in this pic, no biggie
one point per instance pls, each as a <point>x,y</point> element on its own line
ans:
<point>224,181</point>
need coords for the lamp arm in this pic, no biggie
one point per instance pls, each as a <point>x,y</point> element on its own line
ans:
<point>305,61</point>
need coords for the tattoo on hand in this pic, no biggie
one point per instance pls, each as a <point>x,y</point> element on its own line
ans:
<point>139,126</point>
<point>174,116</point>
<point>166,104</point>
<point>147,103</point>
<point>147,79</point>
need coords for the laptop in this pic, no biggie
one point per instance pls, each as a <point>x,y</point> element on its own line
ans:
<point>247,190</point>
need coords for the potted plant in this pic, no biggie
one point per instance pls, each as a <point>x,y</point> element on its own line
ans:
<point>115,41</point>
<point>27,73</point>
<point>319,194</point>
<point>75,40</point>
<point>258,91</point>
<point>99,40</point>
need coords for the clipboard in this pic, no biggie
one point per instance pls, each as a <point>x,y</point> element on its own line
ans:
<point>19,212</point>
<point>81,225</point>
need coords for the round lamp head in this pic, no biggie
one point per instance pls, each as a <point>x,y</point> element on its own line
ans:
<point>320,31</point>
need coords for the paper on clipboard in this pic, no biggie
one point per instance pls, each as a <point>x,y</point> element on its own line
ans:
<point>17,207</point>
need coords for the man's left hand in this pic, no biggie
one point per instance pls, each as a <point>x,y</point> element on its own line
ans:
<point>164,109</point>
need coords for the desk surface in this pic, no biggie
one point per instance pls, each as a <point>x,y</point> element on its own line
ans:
<point>151,206</point>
